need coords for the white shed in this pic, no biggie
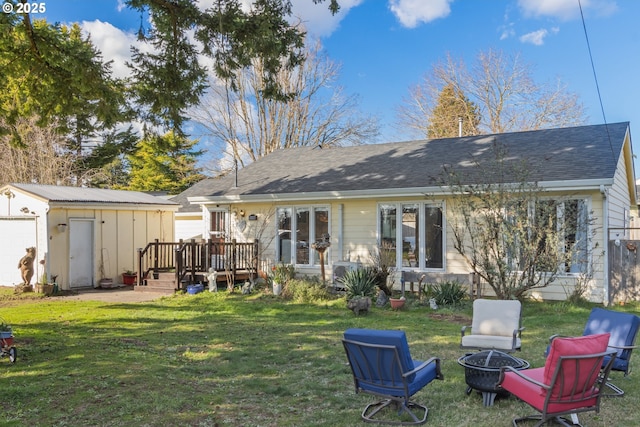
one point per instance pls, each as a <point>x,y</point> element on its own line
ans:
<point>81,235</point>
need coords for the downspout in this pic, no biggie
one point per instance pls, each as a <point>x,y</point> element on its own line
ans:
<point>340,245</point>
<point>605,226</point>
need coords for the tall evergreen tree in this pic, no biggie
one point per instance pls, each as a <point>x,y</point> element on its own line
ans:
<point>451,107</point>
<point>53,73</point>
<point>168,79</point>
<point>164,163</point>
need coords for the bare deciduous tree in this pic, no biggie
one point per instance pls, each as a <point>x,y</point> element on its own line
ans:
<point>513,233</point>
<point>45,158</point>
<point>245,125</point>
<point>503,88</point>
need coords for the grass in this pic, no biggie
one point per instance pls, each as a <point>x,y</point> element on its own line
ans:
<point>245,360</point>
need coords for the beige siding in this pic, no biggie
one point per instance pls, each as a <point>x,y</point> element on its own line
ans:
<point>117,235</point>
<point>359,236</point>
<point>619,202</point>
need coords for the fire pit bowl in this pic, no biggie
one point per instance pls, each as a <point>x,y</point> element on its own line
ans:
<point>482,371</point>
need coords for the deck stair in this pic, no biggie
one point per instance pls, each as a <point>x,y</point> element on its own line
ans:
<point>165,283</point>
<point>167,267</point>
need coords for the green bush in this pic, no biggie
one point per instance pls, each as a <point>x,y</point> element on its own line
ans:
<point>306,291</point>
<point>449,292</point>
<point>360,283</point>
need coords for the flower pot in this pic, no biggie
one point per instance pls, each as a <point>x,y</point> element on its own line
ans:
<point>277,288</point>
<point>129,279</point>
<point>106,283</point>
<point>397,303</point>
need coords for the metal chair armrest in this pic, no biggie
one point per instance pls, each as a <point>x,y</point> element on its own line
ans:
<point>424,364</point>
<point>623,347</point>
<point>463,331</point>
<point>522,375</point>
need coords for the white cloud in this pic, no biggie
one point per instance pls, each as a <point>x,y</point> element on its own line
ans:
<point>565,9</point>
<point>535,37</point>
<point>317,19</point>
<point>507,31</point>
<point>113,43</point>
<point>411,13</point>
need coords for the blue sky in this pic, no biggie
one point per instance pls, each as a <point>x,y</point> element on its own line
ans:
<point>385,47</point>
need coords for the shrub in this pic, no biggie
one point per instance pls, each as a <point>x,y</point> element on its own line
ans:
<point>360,283</point>
<point>307,291</point>
<point>282,273</point>
<point>449,292</point>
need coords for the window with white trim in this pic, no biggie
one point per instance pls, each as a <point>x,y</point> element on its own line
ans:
<point>569,219</point>
<point>298,228</point>
<point>416,231</point>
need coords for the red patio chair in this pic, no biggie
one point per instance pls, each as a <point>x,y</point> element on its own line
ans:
<point>569,383</point>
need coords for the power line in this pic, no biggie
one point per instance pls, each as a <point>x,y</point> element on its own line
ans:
<point>595,77</point>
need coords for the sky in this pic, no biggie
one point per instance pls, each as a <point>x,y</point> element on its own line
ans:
<point>385,47</point>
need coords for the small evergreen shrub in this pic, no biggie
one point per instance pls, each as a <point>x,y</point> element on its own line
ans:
<point>360,283</point>
<point>449,292</point>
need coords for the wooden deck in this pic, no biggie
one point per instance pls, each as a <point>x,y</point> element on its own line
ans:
<point>168,267</point>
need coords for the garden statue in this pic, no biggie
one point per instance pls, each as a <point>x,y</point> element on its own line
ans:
<point>26,265</point>
<point>382,299</point>
<point>212,278</point>
<point>359,304</point>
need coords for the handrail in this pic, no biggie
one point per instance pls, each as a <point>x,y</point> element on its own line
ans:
<point>188,259</point>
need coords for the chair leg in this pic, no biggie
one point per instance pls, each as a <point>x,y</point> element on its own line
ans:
<point>559,420</point>
<point>374,408</point>
<point>617,391</point>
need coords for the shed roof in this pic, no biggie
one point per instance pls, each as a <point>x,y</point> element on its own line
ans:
<point>564,154</point>
<point>80,195</point>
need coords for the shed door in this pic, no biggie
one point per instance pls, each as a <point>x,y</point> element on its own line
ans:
<point>81,253</point>
<point>16,235</point>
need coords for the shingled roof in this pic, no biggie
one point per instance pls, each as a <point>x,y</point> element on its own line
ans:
<point>564,154</point>
<point>81,195</point>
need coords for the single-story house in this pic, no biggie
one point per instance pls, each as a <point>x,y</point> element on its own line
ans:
<point>81,235</point>
<point>363,195</point>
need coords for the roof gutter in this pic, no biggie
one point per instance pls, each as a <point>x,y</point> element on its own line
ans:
<point>578,185</point>
<point>115,206</point>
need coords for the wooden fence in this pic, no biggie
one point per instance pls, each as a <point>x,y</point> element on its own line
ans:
<point>624,270</point>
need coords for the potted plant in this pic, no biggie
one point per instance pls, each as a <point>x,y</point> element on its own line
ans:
<point>46,287</point>
<point>129,277</point>
<point>281,274</point>
<point>397,303</point>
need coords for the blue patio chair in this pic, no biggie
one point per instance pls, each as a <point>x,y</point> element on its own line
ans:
<point>623,329</point>
<point>382,366</point>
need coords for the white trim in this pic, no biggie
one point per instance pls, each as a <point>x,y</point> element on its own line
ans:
<point>422,237</point>
<point>575,185</point>
<point>294,238</point>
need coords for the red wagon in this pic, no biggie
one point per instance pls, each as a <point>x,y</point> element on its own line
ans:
<point>6,342</point>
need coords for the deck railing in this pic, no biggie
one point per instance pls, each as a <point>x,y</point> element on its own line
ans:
<point>193,258</point>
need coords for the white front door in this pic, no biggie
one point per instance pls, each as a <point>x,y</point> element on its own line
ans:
<point>81,253</point>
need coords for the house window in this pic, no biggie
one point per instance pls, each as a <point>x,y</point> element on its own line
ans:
<point>283,236</point>
<point>421,233</point>
<point>218,225</point>
<point>575,215</point>
<point>569,219</point>
<point>298,228</point>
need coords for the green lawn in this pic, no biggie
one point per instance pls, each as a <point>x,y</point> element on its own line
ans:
<point>235,360</point>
